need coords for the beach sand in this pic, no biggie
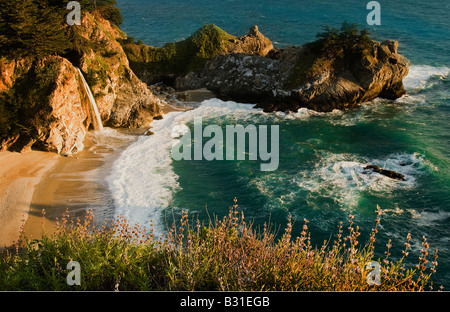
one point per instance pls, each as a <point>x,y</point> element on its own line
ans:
<point>19,175</point>
<point>34,182</point>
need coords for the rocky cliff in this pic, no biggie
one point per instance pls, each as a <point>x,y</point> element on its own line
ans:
<point>307,76</point>
<point>43,105</point>
<point>341,70</point>
<point>189,56</point>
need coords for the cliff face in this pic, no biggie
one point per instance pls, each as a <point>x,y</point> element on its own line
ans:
<point>337,72</point>
<point>296,77</point>
<point>43,103</point>
<point>123,99</point>
<point>174,60</point>
<point>51,112</point>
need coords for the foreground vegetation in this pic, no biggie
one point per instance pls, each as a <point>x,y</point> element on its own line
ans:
<point>225,255</point>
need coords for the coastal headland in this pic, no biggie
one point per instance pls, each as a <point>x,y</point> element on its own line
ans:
<point>133,84</point>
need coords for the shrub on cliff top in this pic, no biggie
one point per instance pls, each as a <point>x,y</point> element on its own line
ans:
<point>334,47</point>
<point>179,57</point>
<point>225,255</point>
<point>38,28</point>
<point>342,42</point>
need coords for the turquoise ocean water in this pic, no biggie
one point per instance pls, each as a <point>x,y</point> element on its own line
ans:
<point>320,176</point>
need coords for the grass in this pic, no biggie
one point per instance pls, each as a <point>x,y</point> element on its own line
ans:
<point>227,254</point>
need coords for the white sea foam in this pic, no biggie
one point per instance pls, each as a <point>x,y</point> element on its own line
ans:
<point>343,177</point>
<point>428,218</point>
<point>340,178</point>
<point>142,180</point>
<point>419,76</point>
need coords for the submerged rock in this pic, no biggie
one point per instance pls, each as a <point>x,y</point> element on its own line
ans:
<point>388,173</point>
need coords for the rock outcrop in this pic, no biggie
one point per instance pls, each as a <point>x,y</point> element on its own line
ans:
<point>43,100</point>
<point>295,77</point>
<point>388,173</point>
<point>341,70</point>
<point>189,56</point>
<point>122,98</point>
<point>254,43</point>
<point>59,119</point>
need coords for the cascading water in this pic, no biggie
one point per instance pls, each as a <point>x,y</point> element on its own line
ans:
<point>93,109</point>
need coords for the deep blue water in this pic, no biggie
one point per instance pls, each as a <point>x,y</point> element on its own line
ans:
<point>321,155</point>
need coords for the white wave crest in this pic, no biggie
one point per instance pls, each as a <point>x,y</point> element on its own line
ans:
<point>419,76</point>
<point>142,181</point>
<point>343,178</point>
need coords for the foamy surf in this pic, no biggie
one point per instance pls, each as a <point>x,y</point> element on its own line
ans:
<point>340,178</point>
<point>142,180</point>
<point>343,178</point>
<point>419,76</point>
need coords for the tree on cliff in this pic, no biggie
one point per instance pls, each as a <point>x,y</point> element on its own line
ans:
<point>31,28</point>
<point>38,28</point>
<point>338,42</point>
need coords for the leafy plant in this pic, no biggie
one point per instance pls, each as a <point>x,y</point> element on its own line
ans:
<point>226,254</point>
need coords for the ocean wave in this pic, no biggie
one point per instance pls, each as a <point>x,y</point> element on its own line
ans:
<point>419,76</point>
<point>304,113</point>
<point>340,178</point>
<point>142,181</point>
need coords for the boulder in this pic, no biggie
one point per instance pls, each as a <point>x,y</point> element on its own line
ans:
<point>388,173</point>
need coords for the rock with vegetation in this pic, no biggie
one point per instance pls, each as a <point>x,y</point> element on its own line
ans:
<point>42,102</point>
<point>45,109</point>
<point>341,70</point>
<point>166,64</point>
<point>123,100</point>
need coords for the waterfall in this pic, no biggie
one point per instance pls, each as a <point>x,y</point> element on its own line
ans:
<point>93,109</point>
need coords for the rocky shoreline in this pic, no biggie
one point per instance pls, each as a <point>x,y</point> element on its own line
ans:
<point>131,81</point>
<point>48,95</point>
<point>275,83</point>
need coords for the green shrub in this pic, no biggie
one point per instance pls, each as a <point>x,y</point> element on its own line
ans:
<point>333,48</point>
<point>348,40</point>
<point>227,254</point>
<point>180,57</point>
<point>38,27</point>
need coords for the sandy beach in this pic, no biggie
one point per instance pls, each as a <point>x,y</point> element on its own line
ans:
<point>34,182</point>
<point>19,175</point>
